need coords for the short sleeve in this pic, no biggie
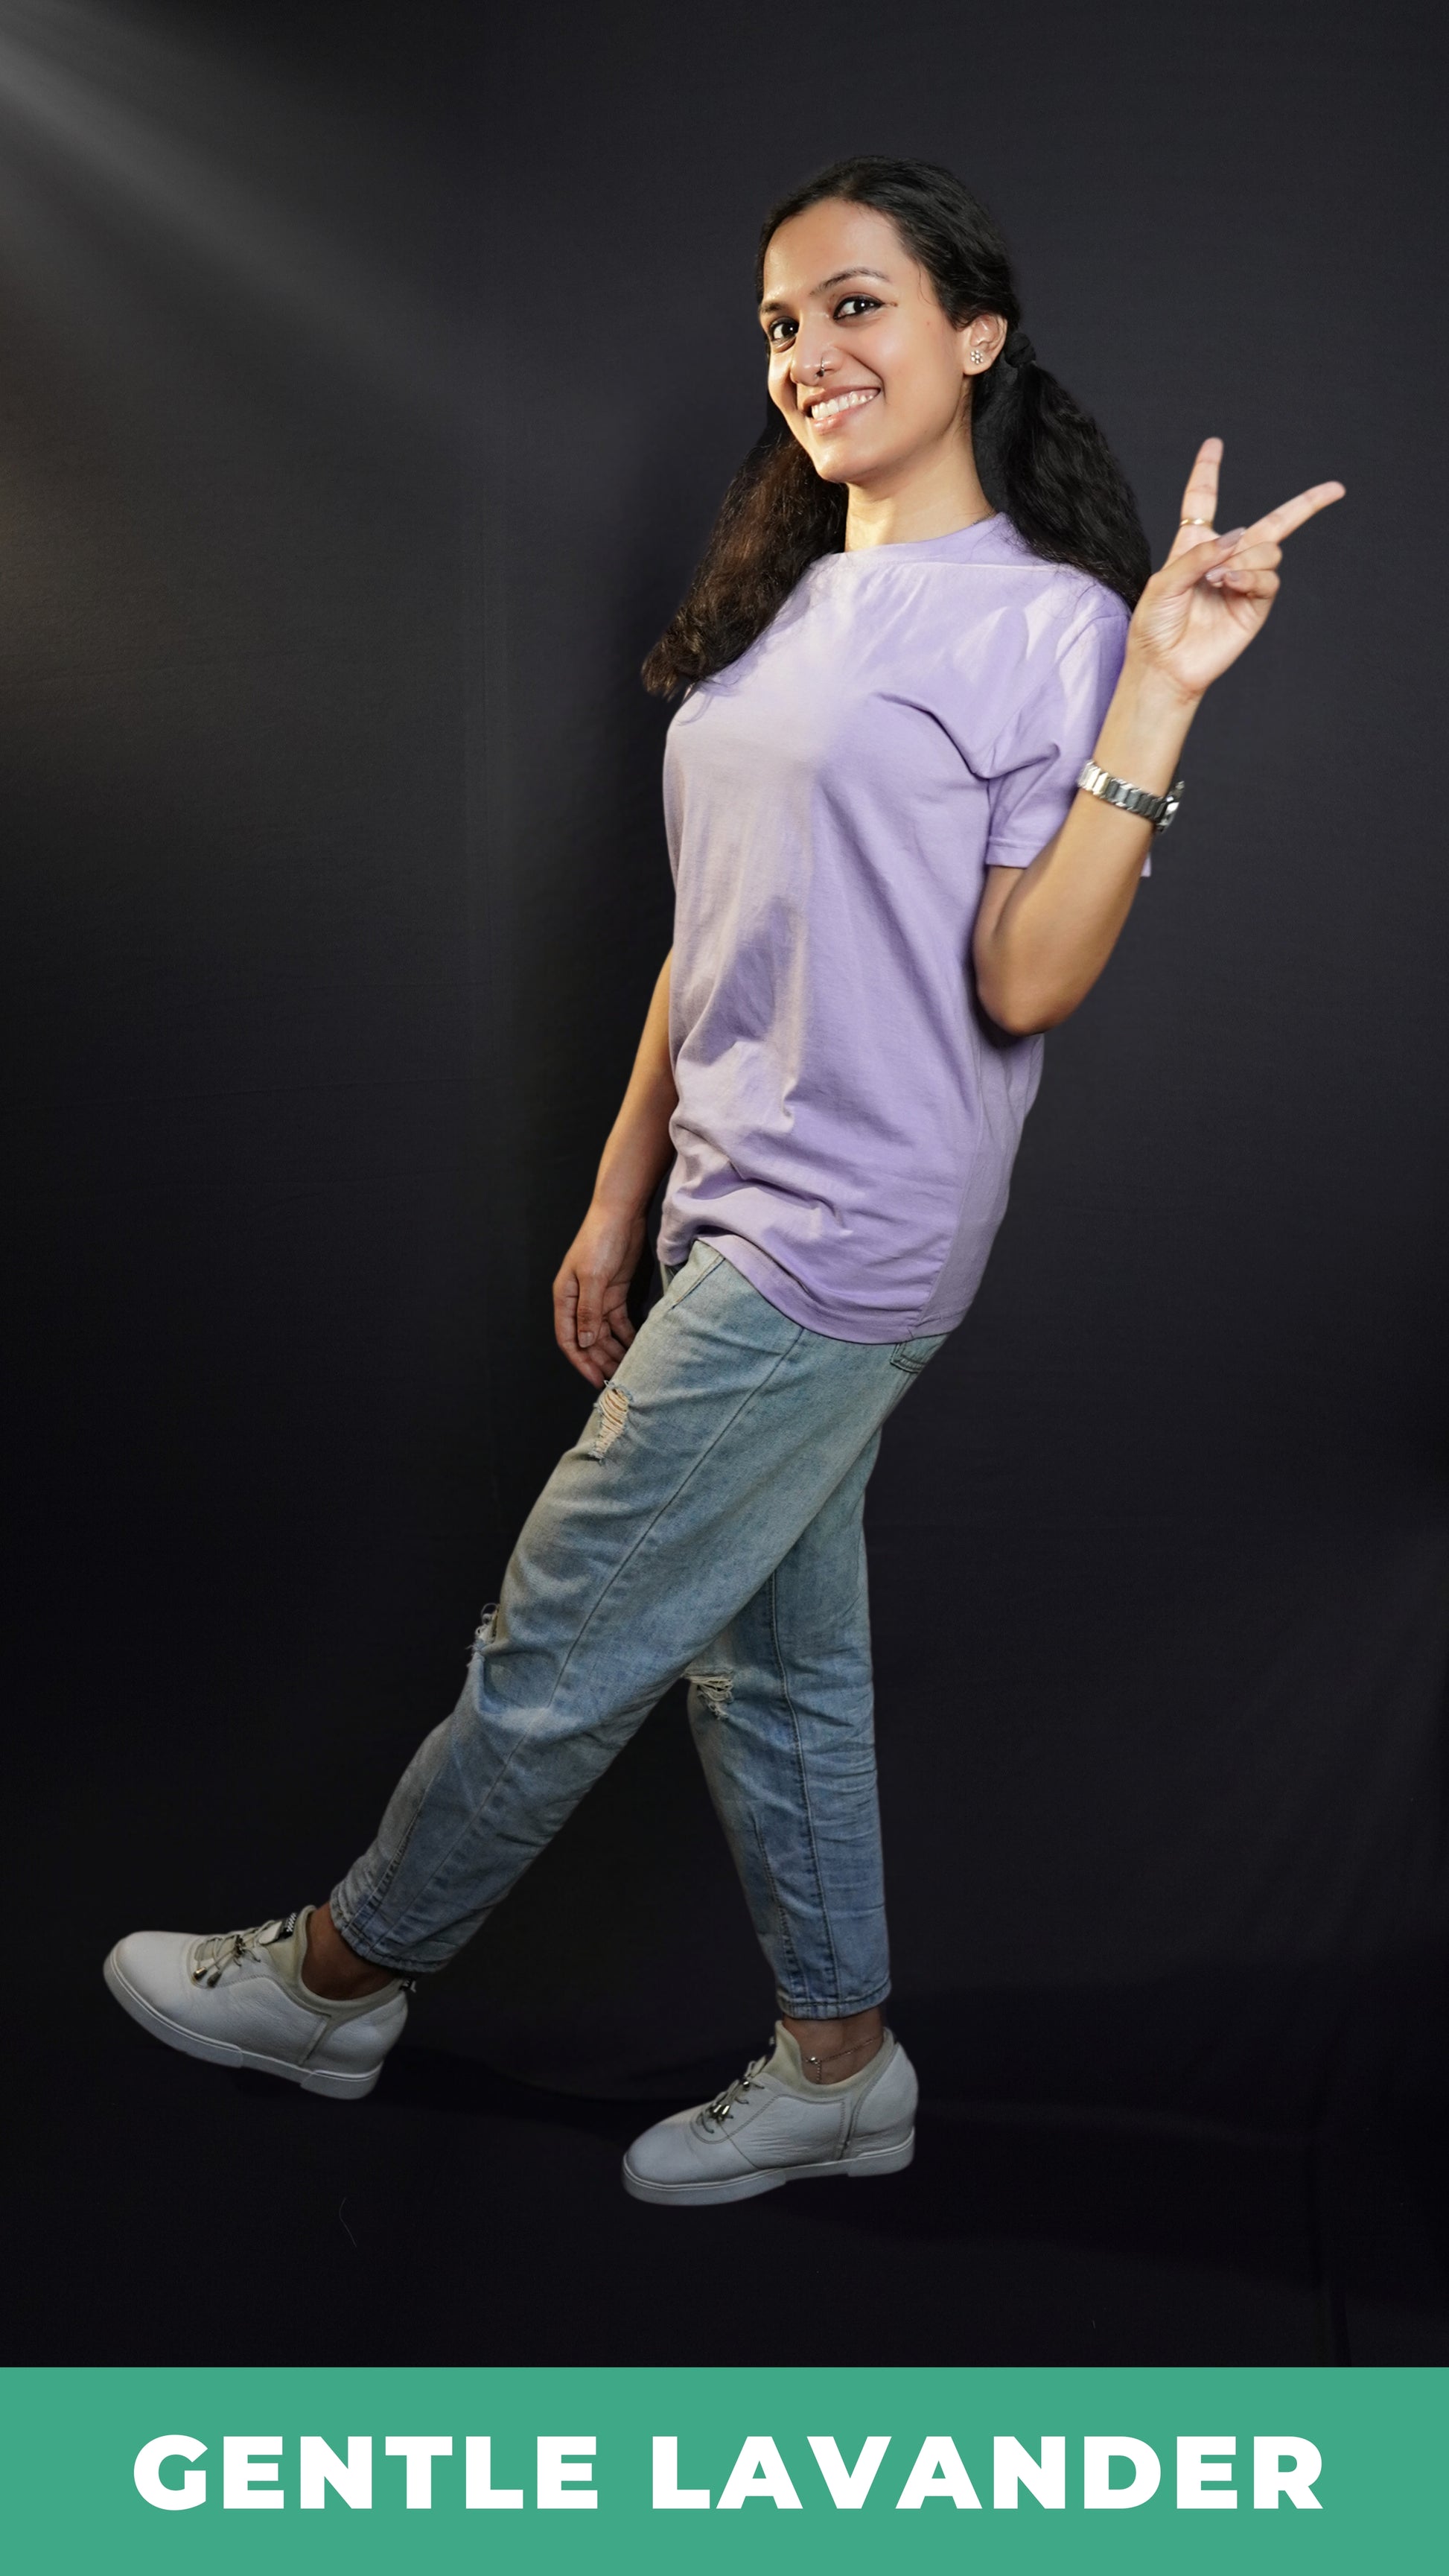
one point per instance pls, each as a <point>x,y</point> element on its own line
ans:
<point>1033,765</point>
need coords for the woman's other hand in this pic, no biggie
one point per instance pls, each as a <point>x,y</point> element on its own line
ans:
<point>1214,593</point>
<point>591,1293</point>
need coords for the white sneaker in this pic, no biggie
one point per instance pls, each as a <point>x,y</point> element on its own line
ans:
<point>237,1999</point>
<point>774,2126</point>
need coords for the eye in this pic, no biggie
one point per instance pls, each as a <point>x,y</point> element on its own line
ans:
<point>862,304</point>
<point>776,334</point>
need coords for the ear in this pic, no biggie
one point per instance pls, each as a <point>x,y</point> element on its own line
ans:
<point>981,342</point>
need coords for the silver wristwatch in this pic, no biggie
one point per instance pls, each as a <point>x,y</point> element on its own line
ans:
<point>1156,810</point>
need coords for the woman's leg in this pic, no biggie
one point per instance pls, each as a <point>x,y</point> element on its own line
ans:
<point>719,1443</point>
<point>722,1436</point>
<point>781,1709</point>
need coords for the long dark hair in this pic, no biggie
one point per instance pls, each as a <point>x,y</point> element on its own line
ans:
<point>1042,460</point>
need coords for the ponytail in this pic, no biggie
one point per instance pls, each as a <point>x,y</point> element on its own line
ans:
<point>1042,460</point>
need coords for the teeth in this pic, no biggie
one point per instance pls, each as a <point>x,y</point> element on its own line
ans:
<point>841,402</point>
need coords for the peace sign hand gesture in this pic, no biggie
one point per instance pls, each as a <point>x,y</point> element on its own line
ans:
<point>1213,594</point>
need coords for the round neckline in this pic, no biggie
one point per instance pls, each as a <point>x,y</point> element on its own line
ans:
<point>918,545</point>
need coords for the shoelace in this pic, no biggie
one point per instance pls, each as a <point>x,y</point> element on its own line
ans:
<point>223,1950</point>
<point>723,2104</point>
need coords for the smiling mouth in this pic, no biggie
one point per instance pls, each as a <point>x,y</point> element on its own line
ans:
<point>837,405</point>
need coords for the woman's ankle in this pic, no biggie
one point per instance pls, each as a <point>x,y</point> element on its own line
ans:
<point>832,2051</point>
<point>331,1969</point>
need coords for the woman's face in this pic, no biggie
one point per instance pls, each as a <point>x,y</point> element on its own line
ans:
<point>864,364</point>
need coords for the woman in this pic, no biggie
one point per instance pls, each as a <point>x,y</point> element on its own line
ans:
<point>922,751</point>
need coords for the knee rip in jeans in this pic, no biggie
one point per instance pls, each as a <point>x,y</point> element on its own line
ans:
<point>714,1690</point>
<point>612,1409</point>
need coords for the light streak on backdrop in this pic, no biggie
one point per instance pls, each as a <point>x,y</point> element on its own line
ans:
<point>105,115</point>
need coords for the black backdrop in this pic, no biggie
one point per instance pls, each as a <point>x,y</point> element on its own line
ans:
<point>370,378</point>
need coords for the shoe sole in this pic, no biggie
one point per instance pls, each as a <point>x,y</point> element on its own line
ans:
<point>860,2167</point>
<point>224,2052</point>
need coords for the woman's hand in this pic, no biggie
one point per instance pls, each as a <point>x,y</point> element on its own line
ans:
<point>591,1293</point>
<point>1213,593</point>
<point>1044,933</point>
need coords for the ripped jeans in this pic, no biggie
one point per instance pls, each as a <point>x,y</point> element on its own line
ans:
<point>707,1523</point>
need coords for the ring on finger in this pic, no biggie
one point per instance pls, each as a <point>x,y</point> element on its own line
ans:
<point>1194,523</point>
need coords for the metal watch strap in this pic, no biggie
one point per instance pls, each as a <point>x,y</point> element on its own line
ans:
<point>1156,810</point>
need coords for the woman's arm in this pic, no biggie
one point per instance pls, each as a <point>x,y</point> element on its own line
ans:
<point>1045,932</point>
<point>590,1294</point>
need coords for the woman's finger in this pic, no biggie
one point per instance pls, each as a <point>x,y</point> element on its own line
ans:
<point>599,1363</point>
<point>1200,499</point>
<point>565,1309</point>
<point>1249,585</point>
<point>1182,571</point>
<point>603,1311</point>
<point>1289,515</point>
<point>590,1313</point>
<point>1245,558</point>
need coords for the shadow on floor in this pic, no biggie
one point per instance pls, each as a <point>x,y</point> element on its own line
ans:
<point>181,2215</point>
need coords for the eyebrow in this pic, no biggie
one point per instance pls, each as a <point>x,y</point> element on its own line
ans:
<point>775,303</point>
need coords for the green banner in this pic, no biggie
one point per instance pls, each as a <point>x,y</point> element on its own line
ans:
<point>584,2470</point>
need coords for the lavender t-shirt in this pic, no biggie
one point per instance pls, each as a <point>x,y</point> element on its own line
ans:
<point>847,1122</point>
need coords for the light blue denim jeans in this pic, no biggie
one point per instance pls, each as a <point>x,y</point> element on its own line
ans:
<point>707,1523</point>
